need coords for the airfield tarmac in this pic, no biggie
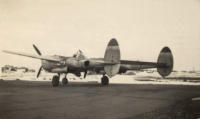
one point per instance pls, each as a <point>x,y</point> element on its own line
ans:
<point>89,100</point>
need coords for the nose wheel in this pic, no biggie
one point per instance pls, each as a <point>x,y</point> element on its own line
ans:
<point>104,80</point>
<point>55,80</point>
<point>65,81</point>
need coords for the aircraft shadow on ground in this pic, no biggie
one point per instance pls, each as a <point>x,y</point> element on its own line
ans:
<point>188,79</point>
<point>41,84</point>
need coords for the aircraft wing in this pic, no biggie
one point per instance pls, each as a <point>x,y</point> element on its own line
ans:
<point>34,56</point>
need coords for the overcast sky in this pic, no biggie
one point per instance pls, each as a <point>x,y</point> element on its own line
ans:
<point>142,28</point>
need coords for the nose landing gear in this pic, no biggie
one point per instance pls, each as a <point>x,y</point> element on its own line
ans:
<point>65,81</point>
<point>55,80</point>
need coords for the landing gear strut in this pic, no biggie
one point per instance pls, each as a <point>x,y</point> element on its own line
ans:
<point>55,80</point>
<point>104,80</point>
<point>64,81</point>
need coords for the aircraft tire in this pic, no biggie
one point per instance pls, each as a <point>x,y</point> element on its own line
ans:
<point>64,81</point>
<point>104,80</point>
<point>55,81</point>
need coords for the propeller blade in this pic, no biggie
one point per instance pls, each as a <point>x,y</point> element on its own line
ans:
<point>37,50</point>
<point>85,74</point>
<point>39,72</point>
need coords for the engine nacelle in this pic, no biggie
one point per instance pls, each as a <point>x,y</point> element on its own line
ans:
<point>60,70</point>
<point>77,63</point>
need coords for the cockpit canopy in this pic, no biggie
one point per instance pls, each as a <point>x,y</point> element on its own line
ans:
<point>79,55</point>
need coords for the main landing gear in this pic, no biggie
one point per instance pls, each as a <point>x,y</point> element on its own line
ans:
<point>104,80</point>
<point>55,80</point>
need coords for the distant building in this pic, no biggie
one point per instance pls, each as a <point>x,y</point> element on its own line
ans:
<point>9,69</point>
<point>31,70</point>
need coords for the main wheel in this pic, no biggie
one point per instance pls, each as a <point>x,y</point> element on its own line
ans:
<point>55,81</point>
<point>64,81</point>
<point>104,80</point>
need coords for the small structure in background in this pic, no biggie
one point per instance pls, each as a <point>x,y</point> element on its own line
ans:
<point>10,69</point>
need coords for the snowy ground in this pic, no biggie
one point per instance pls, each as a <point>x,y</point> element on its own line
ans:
<point>176,78</point>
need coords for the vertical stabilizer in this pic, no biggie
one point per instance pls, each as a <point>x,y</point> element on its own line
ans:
<point>112,55</point>
<point>165,57</point>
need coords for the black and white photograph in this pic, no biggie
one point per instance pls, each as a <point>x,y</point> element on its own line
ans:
<point>99,59</point>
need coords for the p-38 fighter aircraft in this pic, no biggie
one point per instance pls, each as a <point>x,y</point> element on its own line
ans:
<point>111,64</point>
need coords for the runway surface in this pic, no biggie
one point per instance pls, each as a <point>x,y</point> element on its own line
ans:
<point>39,100</point>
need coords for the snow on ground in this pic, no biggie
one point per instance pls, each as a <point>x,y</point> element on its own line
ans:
<point>176,78</point>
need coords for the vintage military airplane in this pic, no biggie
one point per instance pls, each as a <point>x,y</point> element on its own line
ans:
<point>111,64</point>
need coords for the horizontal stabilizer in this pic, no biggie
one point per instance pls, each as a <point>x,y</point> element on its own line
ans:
<point>33,56</point>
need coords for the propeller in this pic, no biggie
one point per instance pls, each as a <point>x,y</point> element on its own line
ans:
<point>39,72</point>
<point>39,53</point>
<point>37,50</point>
<point>85,74</point>
<point>86,64</point>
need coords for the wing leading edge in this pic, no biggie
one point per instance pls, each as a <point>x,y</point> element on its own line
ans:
<point>33,56</point>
